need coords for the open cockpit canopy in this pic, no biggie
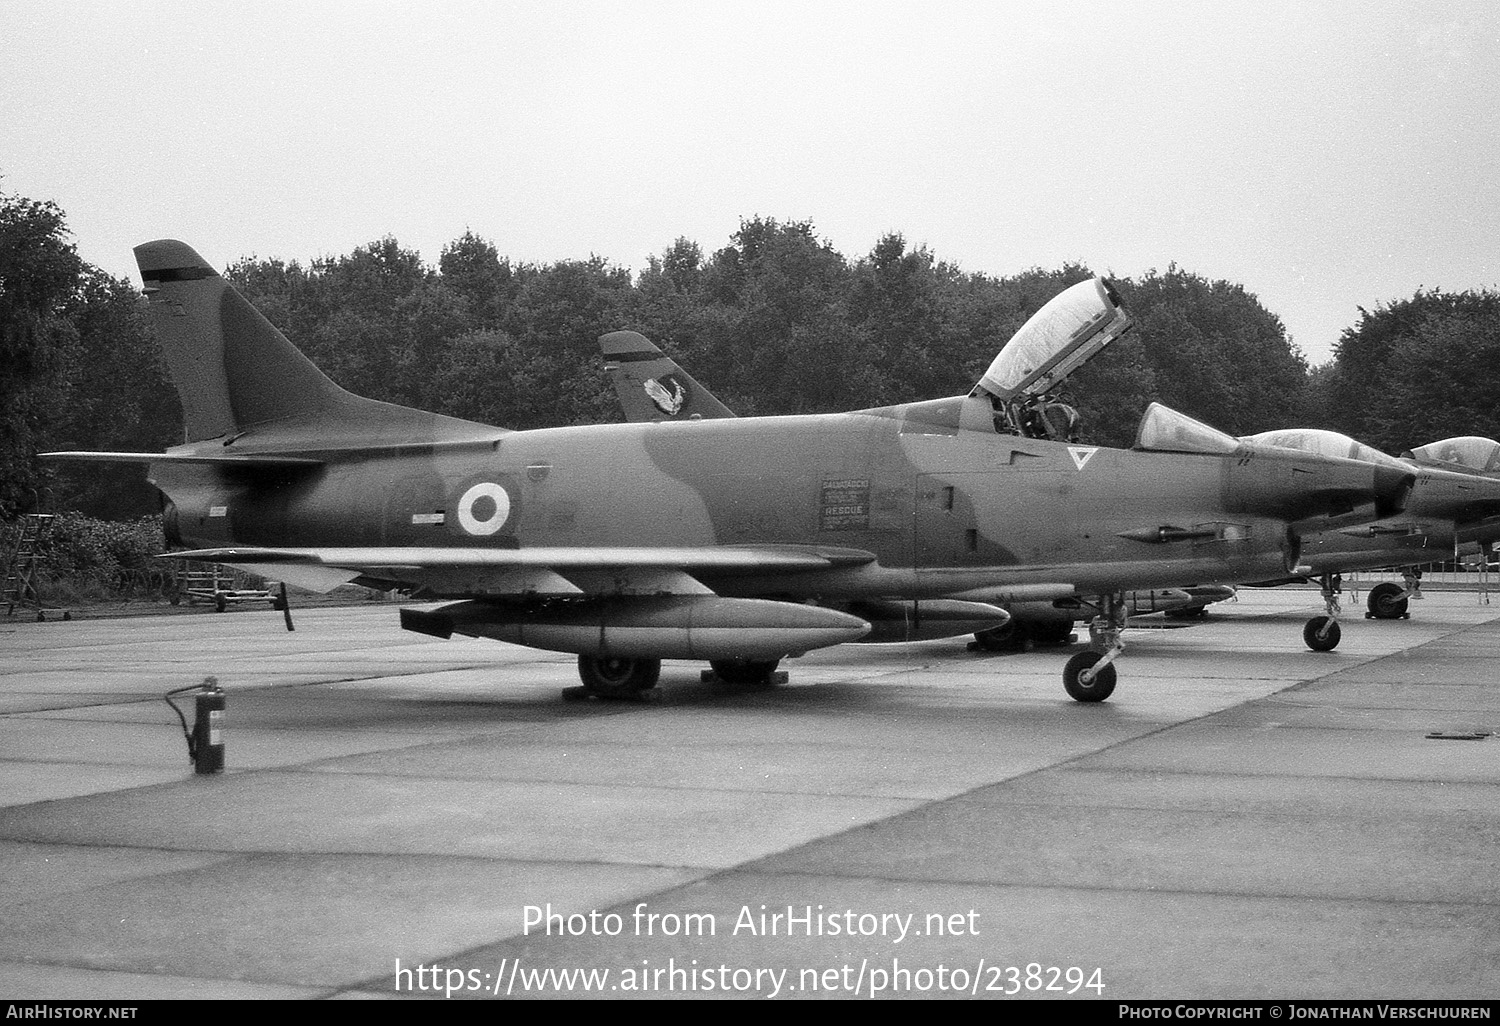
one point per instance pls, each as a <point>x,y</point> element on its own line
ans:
<point>1074,326</point>
<point>1470,451</point>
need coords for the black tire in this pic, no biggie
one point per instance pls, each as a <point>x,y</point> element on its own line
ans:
<point>1385,602</point>
<point>604,675</point>
<point>1008,637</point>
<point>744,671</point>
<point>220,604</point>
<point>1100,688</point>
<point>1052,632</point>
<point>1326,643</point>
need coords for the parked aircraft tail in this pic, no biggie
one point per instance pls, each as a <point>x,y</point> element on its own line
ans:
<point>650,385</point>
<point>238,374</point>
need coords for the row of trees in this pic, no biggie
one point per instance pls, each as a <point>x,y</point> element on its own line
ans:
<point>79,368</point>
<point>1416,370</point>
<point>776,321</point>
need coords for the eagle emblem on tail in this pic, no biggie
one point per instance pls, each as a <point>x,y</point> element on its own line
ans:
<point>668,394</point>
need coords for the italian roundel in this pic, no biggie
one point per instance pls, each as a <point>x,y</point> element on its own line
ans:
<point>486,507</point>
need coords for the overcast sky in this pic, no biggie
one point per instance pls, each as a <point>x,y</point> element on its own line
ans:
<point>1326,156</point>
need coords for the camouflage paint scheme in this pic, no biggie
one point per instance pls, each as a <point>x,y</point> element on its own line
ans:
<point>1455,503</point>
<point>734,540</point>
<point>639,370</point>
<point>1454,508</point>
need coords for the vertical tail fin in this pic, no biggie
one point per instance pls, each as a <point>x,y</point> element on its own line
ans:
<point>650,385</point>
<point>232,367</point>
<point>236,372</point>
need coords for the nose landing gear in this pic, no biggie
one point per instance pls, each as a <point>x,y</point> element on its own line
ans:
<point>1322,633</point>
<point>1090,676</point>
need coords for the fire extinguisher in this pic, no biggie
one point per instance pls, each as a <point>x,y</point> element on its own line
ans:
<point>205,741</point>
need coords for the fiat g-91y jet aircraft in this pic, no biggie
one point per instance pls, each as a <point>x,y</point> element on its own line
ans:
<point>643,377</point>
<point>1455,502</point>
<point>738,541</point>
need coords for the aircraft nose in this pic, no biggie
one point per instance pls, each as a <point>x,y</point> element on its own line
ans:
<point>1392,489</point>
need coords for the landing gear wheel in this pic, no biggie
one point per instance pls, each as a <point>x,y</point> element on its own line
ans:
<point>1385,602</point>
<point>1317,639</point>
<point>614,677</point>
<point>1052,633</point>
<point>1008,637</point>
<point>1097,690</point>
<point>744,671</point>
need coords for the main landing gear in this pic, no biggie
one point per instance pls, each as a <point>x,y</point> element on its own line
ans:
<point>746,672</point>
<point>613,677</point>
<point>1388,601</point>
<point>1019,636</point>
<point>1090,676</point>
<point>1322,633</point>
<point>620,677</point>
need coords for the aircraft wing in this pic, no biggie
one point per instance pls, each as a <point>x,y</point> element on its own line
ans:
<point>527,571</point>
<point>214,459</point>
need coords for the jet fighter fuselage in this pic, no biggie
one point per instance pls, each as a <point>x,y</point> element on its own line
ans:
<point>735,540</point>
<point>912,503</point>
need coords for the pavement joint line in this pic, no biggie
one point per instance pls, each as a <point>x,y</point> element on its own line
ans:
<point>94,846</point>
<point>1278,698</point>
<point>270,854</point>
<point>241,855</point>
<point>1401,653</point>
<point>42,761</point>
<point>1320,817</point>
<point>1103,889</point>
<point>78,797</point>
<point>314,992</point>
<point>32,714</point>
<point>608,784</point>
<point>1315,777</point>
<point>1355,728</point>
<point>1347,727</point>
<point>242,689</point>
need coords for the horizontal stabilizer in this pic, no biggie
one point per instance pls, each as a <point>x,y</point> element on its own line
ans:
<point>321,579</point>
